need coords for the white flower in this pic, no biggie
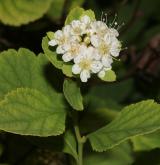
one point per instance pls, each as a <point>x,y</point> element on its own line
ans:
<point>98,27</point>
<point>85,64</point>
<point>86,20</point>
<point>71,51</point>
<point>113,32</point>
<point>106,48</point>
<point>78,28</point>
<point>89,45</point>
<point>62,38</point>
<point>115,47</point>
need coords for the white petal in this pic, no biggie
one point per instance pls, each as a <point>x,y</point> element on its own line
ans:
<point>95,40</point>
<point>67,57</point>
<point>85,75</point>
<point>52,42</point>
<point>96,66</point>
<point>75,23</point>
<point>115,52</point>
<point>108,38</point>
<point>96,55</point>
<point>89,52</point>
<point>114,32</point>
<point>78,58</point>
<point>115,48</point>
<point>67,30</point>
<point>60,50</point>
<point>58,34</point>
<point>86,19</point>
<point>66,47</point>
<point>76,69</point>
<point>107,61</point>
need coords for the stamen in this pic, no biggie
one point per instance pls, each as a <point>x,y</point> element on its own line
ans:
<point>114,20</point>
<point>120,26</point>
<point>125,48</point>
<point>104,17</point>
<point>116,59</point>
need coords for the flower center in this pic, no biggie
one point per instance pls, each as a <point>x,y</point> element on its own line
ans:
<point>85,64</point>
<point>62,40</point>
<point>74,50</point>
<point>77,30</point>
<point>103,49</point>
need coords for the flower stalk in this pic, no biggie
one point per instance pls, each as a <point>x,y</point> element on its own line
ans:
<point>80,140</point>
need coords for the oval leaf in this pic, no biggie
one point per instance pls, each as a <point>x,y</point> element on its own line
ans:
<point>74,15</point>
<point>70,145</point>
<point>77,13</point>
<point>50,54</point>
<point>16,13</point>
<point>73,94</point>
<point>24,69</point>
<point>137,119</point>
<point>109,76</point>
<point>29,112</point>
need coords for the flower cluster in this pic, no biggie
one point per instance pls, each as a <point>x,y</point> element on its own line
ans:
<point>89,45</point>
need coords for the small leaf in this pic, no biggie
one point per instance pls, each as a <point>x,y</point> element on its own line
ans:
<point>67,69</point>
<point>74,14</point>
<point>29,112</point>
<point>51,55</point>
<point>77,13</point>
<point>50,35</point>
<point>137,119</point>
<point>109,76</point>
<point>73,94</point>
<point>16,13</point>
<point>89,13</point>
<point>70,145</point>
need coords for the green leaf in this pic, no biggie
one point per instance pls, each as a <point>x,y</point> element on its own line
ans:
<point>54,58</point>
<point>109,76</point>
<point>21,69</point>
<point>56,9</point>
<point>136,119</point>
<point>146,142</point>
<point>50,35</point>
<point>120,155</point>
<point>29,112</point>
<point>73,94</point>
<point>90,13</point>
<point>67,69</point>
<point>74,15</point>
<point>77,13</point>
<point>51,54</point>
<point>16,13</point>
<point>70,145</point>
